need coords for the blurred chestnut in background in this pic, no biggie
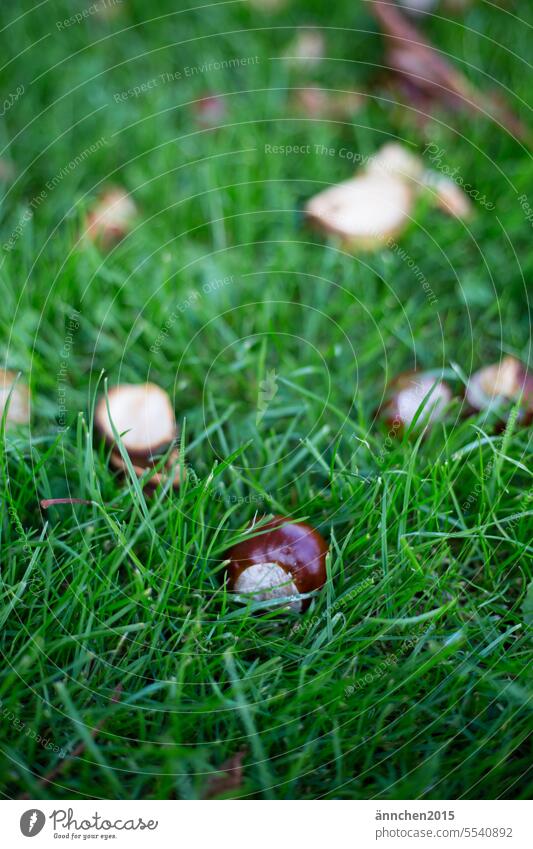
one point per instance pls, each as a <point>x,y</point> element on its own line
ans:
<point>447,194</point>
<point>406,394</point>
<point>306,50</point>
<point>144,418</point>
<point>210,110</point>
<point>111,218</point>
<point>378,203</point>
<point>494,388</point>
<point>365,211</point>
<point>19,403</point>
<point>373,207</point>
<point>284,560</point>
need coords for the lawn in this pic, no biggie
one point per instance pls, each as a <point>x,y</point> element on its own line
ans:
<point>128,669</point>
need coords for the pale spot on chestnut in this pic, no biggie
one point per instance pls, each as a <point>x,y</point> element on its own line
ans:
<point>268,581</point>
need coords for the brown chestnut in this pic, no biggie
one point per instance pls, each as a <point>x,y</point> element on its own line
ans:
<point>284,559</point>
<point>405,395</point>
<point>143,416</point>
<point>494,387</point>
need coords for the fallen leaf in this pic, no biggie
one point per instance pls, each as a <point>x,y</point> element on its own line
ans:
<point>412,57</point>
<point>227,779</point>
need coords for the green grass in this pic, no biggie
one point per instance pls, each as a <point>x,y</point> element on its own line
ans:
<point>425,598</point>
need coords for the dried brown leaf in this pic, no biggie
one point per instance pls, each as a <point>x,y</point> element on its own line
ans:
<point>228,778</point>
<point>412,56</point>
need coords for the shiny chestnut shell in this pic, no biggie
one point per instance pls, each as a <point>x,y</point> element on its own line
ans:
<point>295,546</point>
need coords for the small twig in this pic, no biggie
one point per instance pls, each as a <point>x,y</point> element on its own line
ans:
<point>51,502</point>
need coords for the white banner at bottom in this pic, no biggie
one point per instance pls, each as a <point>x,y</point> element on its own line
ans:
<point>257,824</point>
